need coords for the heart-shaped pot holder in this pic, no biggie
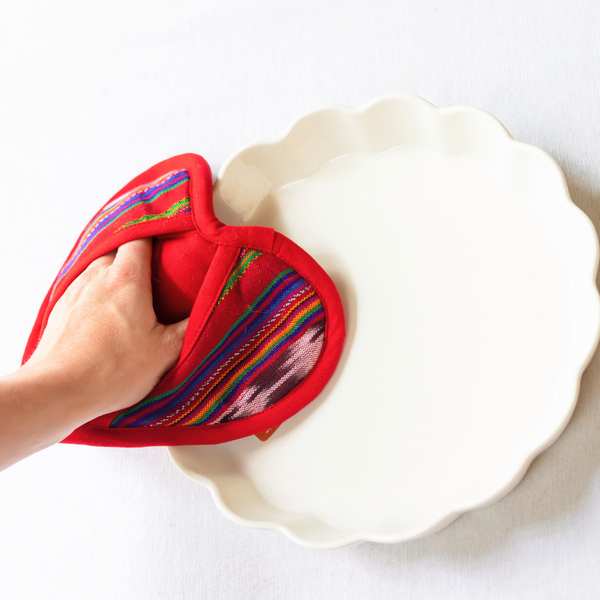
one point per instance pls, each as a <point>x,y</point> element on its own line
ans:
<point>266,325</point>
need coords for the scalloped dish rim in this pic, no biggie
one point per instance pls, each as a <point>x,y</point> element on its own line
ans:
<point>501,136</point>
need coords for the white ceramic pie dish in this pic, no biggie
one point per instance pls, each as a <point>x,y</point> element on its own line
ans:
<point>468,281</point>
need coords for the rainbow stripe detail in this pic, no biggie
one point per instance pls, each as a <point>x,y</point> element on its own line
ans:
<point>176,208</point>
<point>269,349</point>
<point>174,184</point>
<point>247,257</point>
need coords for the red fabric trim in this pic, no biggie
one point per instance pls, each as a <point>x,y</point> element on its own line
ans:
<point>208,295</point>
<point>96,433</point>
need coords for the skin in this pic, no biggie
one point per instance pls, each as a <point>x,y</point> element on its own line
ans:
<point>102,350</point>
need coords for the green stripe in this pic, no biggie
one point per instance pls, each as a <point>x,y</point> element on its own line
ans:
<point>239,271</point>
<point>243,316</point>
<point>175,185</point>
<point>289,333</point>
<point>87,231</point>
<point>167,213</point>
<point>249,310</point>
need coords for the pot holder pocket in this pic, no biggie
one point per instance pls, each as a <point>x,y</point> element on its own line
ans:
<point>266,324</point>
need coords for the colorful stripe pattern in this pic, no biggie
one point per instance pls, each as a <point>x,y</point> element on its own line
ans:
<point>175,209</point>
<point>137,206</point>
<point>246,259</point>
<point>272,342</point>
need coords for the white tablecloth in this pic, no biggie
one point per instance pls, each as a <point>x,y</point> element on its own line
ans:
<point>93,93</point>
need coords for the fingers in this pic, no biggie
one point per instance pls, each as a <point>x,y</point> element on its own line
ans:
<point>134,261</point>
<point>90,271</point>
<point>131,262</point>
<point>103,262</point>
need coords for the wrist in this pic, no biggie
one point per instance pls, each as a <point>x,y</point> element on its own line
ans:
<point>54,393</point>
<point>38,407</point>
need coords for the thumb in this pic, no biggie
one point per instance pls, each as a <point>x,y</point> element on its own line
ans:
<point>175,333</point>
<point>173,341</point>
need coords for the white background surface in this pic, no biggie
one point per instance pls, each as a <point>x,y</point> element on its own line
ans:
<point>93,94</point>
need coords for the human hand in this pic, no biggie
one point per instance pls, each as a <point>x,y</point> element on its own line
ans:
<point>102,350</point>
<point>102,339</point>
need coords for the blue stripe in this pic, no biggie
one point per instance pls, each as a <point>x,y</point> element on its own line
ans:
<point>258,366</point>
<point>256,318</point>
<point>232,343</point>
<point>120,209</point>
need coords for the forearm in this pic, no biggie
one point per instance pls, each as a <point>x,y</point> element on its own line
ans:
<point>102,350</point>
<point>37,409</point>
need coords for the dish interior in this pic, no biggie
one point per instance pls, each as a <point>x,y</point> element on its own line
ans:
<point>455,286</point>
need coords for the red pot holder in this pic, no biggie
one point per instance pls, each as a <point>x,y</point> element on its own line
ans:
<point>266,324</point>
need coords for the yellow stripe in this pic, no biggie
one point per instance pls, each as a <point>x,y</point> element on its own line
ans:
<point>154,216</point>
<point>249,259</point>
<point>243,357</point>
<point>216,399</point>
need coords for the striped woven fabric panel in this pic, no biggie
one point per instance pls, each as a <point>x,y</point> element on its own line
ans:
<point>263,337</point>
<point>163,198</point>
